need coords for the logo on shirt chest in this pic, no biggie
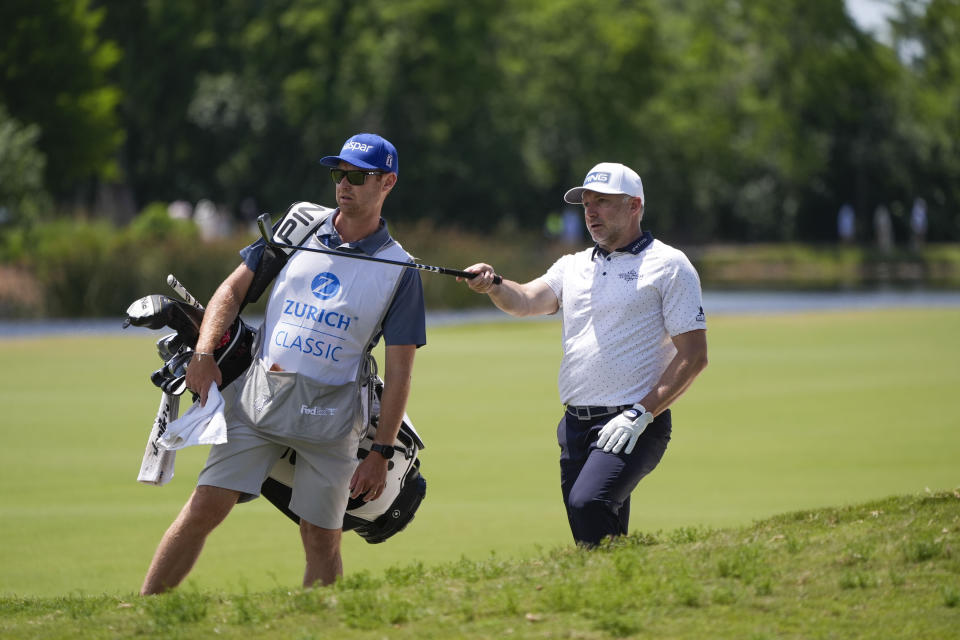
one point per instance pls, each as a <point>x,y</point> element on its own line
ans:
<point>629,276</point>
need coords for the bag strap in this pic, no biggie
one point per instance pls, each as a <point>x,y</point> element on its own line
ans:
<point>301,220</point>
<point>369,372</point>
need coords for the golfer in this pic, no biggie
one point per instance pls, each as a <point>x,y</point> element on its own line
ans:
<point>303,390</point>
<point>634,338</point>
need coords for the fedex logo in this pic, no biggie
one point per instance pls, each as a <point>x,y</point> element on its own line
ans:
<point>317,411</point>
<point>359,146</point>
<point>597,176</point>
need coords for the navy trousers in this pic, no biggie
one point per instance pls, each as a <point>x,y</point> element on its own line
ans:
<point>596,485</point>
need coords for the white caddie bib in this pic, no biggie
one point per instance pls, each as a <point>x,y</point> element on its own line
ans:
<point>324,310</point>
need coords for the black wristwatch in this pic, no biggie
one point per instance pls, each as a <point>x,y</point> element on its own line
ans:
<point>383,449</point>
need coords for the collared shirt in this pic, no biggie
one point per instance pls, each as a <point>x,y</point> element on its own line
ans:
<point>328,235</point>
<point>635,247</point>
<point>620,310</point>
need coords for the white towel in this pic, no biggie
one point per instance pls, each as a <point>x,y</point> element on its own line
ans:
<point>199,425</point>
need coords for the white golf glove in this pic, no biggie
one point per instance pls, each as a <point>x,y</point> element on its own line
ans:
<point>624,429</point>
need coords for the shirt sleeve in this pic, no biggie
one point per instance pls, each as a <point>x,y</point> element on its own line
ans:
<point>405,321</point>
<point>553,278</point>
<point>683,299</point>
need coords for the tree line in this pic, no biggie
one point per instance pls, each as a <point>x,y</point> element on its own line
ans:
<point>748,121</point>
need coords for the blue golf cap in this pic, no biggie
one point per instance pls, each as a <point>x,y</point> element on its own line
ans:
<point>367,151</point>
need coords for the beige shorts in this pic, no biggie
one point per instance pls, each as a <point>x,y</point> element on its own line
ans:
<point>321,482</point>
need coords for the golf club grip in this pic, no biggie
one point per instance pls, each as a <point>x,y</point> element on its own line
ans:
<point>496,279</point>
<point>467,275</point>
<point>182,292</point>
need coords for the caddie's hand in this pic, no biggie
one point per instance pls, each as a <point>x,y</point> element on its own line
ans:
<point>483,281</point>
<point>201,373</point>
<point>370,478</point>
<point>624,429</point>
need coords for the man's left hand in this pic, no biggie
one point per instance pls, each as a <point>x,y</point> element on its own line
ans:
<point>370,478</point>
<point>623,429</point>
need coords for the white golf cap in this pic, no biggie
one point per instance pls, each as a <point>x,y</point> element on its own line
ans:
<point>608,177</point>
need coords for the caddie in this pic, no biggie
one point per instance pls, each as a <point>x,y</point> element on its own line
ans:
<point>634,339</point>
<point>304,389</point>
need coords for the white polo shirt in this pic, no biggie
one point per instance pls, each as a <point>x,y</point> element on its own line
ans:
<point>619,313</point>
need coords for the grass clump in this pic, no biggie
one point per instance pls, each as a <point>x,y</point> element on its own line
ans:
<point>179,607</point>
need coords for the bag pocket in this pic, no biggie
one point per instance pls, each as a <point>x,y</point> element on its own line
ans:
<point>290,405</point>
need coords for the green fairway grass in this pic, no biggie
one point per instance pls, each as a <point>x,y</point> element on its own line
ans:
<point>794,412</point>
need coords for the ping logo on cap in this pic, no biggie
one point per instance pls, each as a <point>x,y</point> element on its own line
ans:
<point>325,285</point>
<point>597,176</point>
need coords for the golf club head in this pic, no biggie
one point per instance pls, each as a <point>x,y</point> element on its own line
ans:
<point>171,377</point>
<point>174,385</point>
<point>158,311</point>
<point>169,345</point>
<point>147,312</point>
<point>264,224</point>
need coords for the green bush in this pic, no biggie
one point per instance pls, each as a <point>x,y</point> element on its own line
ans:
<point>154,224</point>
<point>92,269</point>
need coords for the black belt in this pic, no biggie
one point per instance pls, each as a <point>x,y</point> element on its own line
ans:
<point>589,413</point>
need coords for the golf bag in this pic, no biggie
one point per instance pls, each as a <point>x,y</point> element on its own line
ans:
<point>376,520</point>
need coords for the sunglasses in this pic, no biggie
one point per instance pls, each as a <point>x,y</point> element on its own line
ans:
<point>355,177</point>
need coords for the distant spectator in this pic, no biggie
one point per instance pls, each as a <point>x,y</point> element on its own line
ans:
<point>248,213</point>
<point>248,209</point>
<point>918,223</point>
<point>212,222</point>
<point>180,210</point>
<point>883,228</point>
<point>573,226</point>
<point>553,225</point>
<point>846,224</point>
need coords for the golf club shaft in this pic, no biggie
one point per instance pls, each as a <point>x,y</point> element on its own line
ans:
<point>265,230</point>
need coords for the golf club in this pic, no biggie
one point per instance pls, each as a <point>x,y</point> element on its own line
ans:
<point>264,223</point>
<point>182,292</point>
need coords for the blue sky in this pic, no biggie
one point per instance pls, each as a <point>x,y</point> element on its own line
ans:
<point>869,14</point>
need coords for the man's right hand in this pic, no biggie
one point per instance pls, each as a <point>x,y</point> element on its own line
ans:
<point>201,373</point>
<point>483,281</point>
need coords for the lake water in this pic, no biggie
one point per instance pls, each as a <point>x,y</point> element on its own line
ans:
<point>714,302</point>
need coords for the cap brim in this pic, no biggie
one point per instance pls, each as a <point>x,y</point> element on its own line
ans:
<point>334,162</point>
<point>575,195</point>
